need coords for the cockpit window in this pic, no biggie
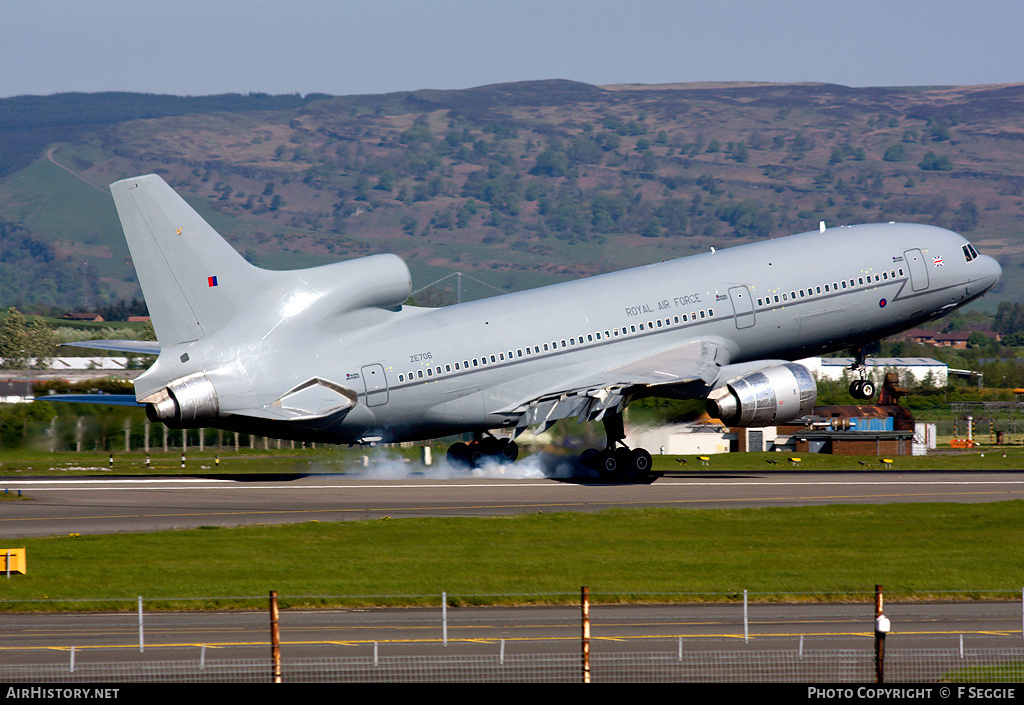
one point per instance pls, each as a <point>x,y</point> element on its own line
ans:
<point>969,252</point>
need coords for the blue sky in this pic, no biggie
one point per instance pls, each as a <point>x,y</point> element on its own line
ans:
<point>201,47</point>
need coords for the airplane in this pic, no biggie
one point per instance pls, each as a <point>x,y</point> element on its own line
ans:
<point>336,354</point>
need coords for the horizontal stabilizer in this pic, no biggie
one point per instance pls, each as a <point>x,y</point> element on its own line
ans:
<point>108,399</point>
<point>147,347</point>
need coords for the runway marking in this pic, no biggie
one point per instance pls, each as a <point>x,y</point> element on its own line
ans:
<point>495,640</point>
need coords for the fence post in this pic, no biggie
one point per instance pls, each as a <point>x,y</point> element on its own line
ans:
<point>142,640</point>
<point>444,617</point>
<point>746,621</point>
<point>275,637</point>
<point>881,629</point>
<point>585,605</point>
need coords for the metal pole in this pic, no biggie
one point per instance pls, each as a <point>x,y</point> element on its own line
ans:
<point>142,640</point>
<point>444,617</point>
<point>585,603</point>
<point>275,637</point>
<point>879,637</point>
<point>746,623</point>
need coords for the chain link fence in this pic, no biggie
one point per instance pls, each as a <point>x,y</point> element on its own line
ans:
<point>828,666</point>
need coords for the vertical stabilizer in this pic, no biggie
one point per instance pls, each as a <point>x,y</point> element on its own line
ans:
<point>193,280</point>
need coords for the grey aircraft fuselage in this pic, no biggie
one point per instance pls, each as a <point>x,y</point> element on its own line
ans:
<point>426,373</point>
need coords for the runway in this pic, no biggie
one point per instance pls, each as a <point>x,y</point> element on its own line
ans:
<point>108,504</point>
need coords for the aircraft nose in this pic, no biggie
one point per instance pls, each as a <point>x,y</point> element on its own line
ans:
<point>987,273</point>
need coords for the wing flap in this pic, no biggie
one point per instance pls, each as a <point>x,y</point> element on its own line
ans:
<point>590,396</point>
<point>147,347</point>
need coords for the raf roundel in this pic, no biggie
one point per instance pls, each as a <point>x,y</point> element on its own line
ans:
<point>881,303</point>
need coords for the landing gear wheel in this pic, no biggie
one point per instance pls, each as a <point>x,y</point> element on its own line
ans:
<point>641,461</point>
<point>867,388</point>
<point>458,454</point>
<point>862,389</point>
<point>508,451</point>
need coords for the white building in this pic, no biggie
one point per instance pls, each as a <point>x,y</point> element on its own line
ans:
<point>912,370</point>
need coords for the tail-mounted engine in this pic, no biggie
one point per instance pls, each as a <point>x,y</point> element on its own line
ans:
<point>768,397</point>
<point>189,402</point>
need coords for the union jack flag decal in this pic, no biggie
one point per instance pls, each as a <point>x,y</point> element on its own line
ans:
<point>937,261</point>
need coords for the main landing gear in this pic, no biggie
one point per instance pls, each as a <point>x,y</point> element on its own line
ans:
<point>616,461</point>
<point>862,388</point>
<point>481,449</point>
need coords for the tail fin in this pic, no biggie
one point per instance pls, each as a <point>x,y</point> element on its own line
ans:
<point>193,280</point>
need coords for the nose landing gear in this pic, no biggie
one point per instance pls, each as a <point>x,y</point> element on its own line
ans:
<point>862,388</point>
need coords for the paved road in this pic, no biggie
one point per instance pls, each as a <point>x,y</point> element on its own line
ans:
<point>48,638</point>
<point>90,505</point>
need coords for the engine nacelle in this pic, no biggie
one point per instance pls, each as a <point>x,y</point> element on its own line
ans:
<point>189,402</point>
<point>768,397</point>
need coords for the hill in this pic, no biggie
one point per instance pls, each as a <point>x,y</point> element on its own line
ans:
<point>515,184</point>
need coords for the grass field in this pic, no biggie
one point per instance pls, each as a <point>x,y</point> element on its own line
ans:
<point>918,551</point>
<point>341,459</point>
<point>650,555</point>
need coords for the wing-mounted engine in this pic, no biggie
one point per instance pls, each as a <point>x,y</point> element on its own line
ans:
<point>768,397</point>
<point>188,402</point>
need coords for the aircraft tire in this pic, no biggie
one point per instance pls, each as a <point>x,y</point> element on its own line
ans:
<point>458,454</point>
<point>867,389</point>
<point>856,389</point>
<point>608,463</point>
<point>641,461</point>
<point>589,458</point>
<point>508,451</point>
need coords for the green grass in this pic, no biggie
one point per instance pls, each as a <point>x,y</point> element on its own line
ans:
<point>656,555</point>
<point>15,462</point>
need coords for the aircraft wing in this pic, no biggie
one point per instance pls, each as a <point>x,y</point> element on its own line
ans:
<point>149,347</point>
<point>108,399</point>
<point>590,396</point>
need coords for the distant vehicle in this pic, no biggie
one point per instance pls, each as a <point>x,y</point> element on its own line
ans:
<point>334,353</point>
